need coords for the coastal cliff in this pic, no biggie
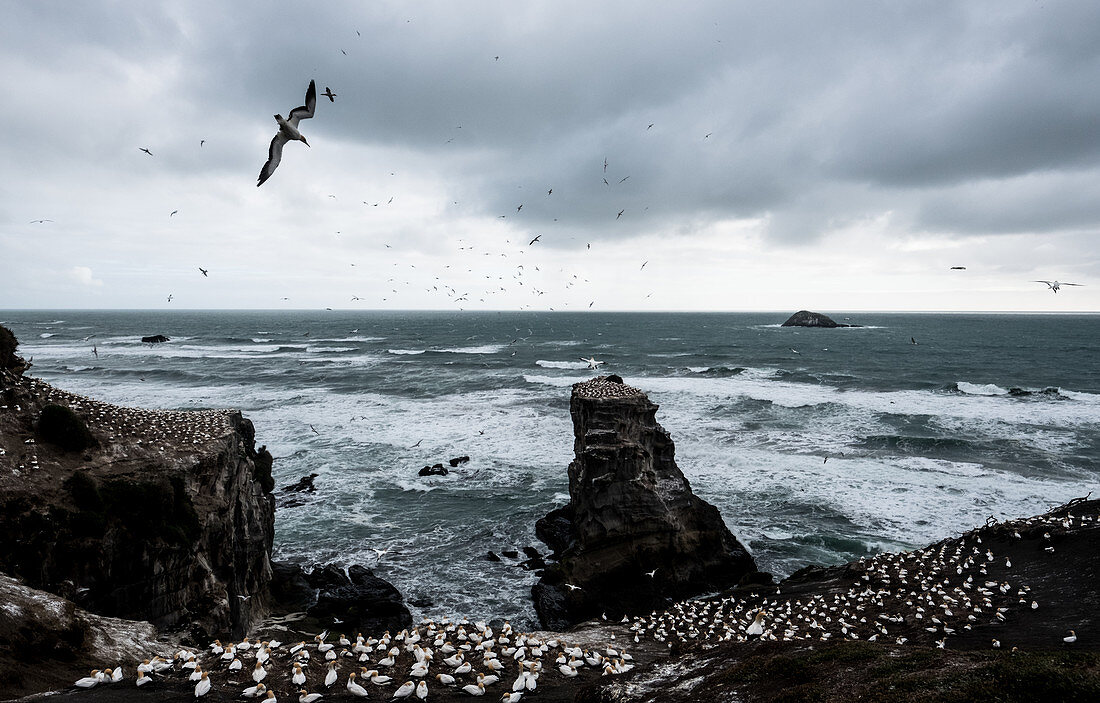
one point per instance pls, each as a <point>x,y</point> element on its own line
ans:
<point>147,515</point>
<point>633,536</point>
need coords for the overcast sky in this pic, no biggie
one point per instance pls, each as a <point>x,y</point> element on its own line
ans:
<point>759,156</point>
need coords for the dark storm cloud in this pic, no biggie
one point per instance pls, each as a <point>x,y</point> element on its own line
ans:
<point>817,113</point>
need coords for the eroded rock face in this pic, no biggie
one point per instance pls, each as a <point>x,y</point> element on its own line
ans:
<point>46,641</point>
<point>167,517</point>
<point>631,511</point>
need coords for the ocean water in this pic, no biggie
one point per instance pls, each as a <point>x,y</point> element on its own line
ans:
<point>818,446</point>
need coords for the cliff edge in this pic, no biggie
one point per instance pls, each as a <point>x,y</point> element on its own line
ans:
<point>140,514</point>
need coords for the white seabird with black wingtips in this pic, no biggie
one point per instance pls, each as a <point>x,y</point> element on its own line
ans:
<point>288,130</point>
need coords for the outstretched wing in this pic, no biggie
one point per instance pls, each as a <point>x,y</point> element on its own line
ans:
<point>1071,284</point>
<point>1046,282</point>
<point>274,156</point>
<point>304,112</point>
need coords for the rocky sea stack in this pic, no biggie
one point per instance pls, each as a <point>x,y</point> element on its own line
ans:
<point>633,536</point>
<point>805,318</point>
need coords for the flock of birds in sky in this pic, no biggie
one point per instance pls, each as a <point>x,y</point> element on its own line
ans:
<point>288,131</point>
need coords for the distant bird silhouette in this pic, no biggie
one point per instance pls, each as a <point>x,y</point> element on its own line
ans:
<point>173,213</point>
<point>958,268</point>
<point>520,207</point>
<point>141,148</point>
<point>288,131</point>
<point>201,142</point>
<point>624,179</point>
<point>620,213</point>
<point>38,222</point>
<point>912,340</point>
<point>202,270</point>
<point>650,126</point>
<point>1055,285</point>
<point>605,165</point>
<point>538,237</point>
<point>169,297</point>
<point>329,94</point>
<point>643,266</point>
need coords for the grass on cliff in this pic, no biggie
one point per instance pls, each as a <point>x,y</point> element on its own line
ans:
<point>859,670</point>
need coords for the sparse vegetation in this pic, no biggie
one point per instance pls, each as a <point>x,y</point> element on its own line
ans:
<point>63,428</point>
<point>8,345</point>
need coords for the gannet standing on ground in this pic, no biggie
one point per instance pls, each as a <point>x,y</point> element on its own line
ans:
<point>88,681</point>
<point>757,626</point>
<point>288,130</point>
<point>354,688</point>
<point>203,686</point>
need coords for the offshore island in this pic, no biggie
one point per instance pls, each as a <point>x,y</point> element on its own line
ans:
<point>142,539</point>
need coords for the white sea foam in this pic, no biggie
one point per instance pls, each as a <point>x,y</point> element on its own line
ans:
<point>483,349</point>
<point>47,335</point>
<point>980,388</point>
<point>561,364</point>
<point>404,352</point>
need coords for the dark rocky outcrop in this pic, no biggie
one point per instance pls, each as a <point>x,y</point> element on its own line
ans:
<point>435,470</point>
<point>805,318</point>
<point>155,339</point>
<point>358,598</point>
<point>458,460</point>
<point>159,516</point>
<point>305,484</point>
<point>632,511</point>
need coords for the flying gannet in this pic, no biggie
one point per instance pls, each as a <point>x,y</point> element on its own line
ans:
<point>1055,285</point>
<point>288,130</point>
<point>591,361</point>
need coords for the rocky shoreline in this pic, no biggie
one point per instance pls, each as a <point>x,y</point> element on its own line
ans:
<point>141,533</point>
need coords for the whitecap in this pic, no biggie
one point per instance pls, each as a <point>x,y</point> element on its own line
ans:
<point>980,388</point>
<point>484,349</point>
<point>406,351</point>
<point>561,364</point>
